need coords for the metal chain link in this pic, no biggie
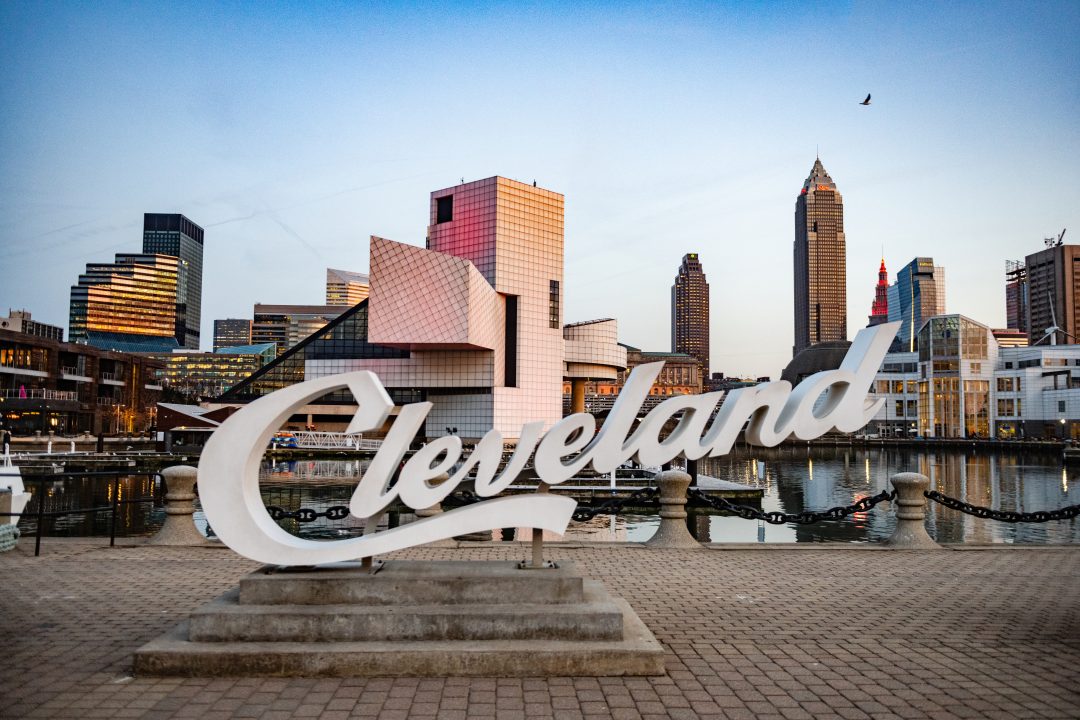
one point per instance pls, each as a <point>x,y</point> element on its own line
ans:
<point>642,497</point>
<point>461,498</point>
<point>809,517</point>
<point>306,515</point>
<point>1040,516</point>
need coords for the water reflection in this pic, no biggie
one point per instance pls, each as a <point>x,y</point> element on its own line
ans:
<point>139,502</point>
<point>794,479</point>
<point>803,478</point>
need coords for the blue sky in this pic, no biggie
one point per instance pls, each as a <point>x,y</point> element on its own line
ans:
<point>292,132</point>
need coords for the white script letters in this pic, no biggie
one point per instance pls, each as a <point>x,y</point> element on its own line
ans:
<point>771,413</point>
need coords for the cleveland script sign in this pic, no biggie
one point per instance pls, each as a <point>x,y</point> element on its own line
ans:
<point>771,412</point>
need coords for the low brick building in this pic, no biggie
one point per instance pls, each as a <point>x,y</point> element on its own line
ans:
<point>69,388</point>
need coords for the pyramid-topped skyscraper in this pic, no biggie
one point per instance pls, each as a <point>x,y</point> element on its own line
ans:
<point>820,262</point>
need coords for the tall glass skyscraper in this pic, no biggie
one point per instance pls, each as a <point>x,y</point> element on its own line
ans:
<point>917,295</point>
<point>175,235</point>
<point>690,312</point>
<point>820,262</point>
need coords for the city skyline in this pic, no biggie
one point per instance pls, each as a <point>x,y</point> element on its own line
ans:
<point>290,161</point>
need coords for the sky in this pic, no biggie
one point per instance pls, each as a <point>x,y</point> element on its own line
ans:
<point>292,132</point>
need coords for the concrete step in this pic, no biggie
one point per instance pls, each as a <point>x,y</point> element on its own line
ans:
<point>403,582</point>
<point>637,653</point>
<point>225,620</point>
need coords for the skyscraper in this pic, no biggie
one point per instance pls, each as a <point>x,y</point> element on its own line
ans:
<point>1051,278</point>
<point>820,262</point>
<point>1016,296</point>
<point>690,312</point>
<point>231,332</point>
<point>879,309</point>
<point>917,295</point>
<point>128,305</point>
<point>175,235</point>
<point>286,325</point>
<point>346,288</point>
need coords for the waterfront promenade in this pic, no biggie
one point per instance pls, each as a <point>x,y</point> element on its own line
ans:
<point>835,631</point>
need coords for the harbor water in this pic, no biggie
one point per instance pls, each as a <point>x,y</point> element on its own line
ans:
<point>794,479</point>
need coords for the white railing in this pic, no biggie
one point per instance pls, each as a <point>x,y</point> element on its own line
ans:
<point>111,376</point>
<point>38,394</point>
<point>312,440</point>
<point>106,401</point>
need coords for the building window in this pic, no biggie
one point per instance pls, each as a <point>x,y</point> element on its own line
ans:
<point>1061,406</point>
<point>511,340</point>
<point>553,304</point>
<point>444,209</point>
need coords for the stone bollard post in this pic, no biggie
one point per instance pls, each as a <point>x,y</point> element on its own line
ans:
<point>910,532</point>
<point>179,528</point>
<point>437,507</point>
<point>673,532</point>
<point>435,510</point>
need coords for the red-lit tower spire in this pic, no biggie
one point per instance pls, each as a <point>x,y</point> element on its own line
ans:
<point>879,311</point>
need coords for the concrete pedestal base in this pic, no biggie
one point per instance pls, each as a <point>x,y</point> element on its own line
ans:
<point>410,619</point>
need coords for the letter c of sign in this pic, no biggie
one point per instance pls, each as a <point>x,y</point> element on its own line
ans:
<point>230,497</point>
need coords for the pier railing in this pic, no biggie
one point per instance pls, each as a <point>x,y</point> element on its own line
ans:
<point>112,480</point>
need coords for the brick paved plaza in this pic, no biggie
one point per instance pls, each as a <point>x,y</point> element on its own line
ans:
<point>750,633</point>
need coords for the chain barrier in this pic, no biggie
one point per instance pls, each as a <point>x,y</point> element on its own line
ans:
<point>643,497</point>
<point>306,515</point>
<point>460,499</point>
<point>1040,516</point>
<point>639,498</point>
<point>809,517</point>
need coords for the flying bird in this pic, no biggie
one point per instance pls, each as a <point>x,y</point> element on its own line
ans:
<point>867,100</point>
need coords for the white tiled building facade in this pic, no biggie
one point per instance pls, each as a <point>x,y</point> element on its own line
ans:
<point>479,311</point>
<point>962,384</point>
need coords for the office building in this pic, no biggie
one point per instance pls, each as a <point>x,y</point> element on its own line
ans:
<point>963,383</point>
<point>128,305</point>
<point>176,236</point>
<point>1016,296</point>
<point>917,294</point>
<point>690,312</point>
<point>879,309</point>
<point>20,321</point>
<point>67,388</point>
<point>1010,337</point>
<point>472,323</point>
<point>820,262</point>
<point>346,288</point>
<point>192,376</point>
<point>1053,294</point>
<point>231,332</point>
<point>286,325</point>
<point>681,375</point>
